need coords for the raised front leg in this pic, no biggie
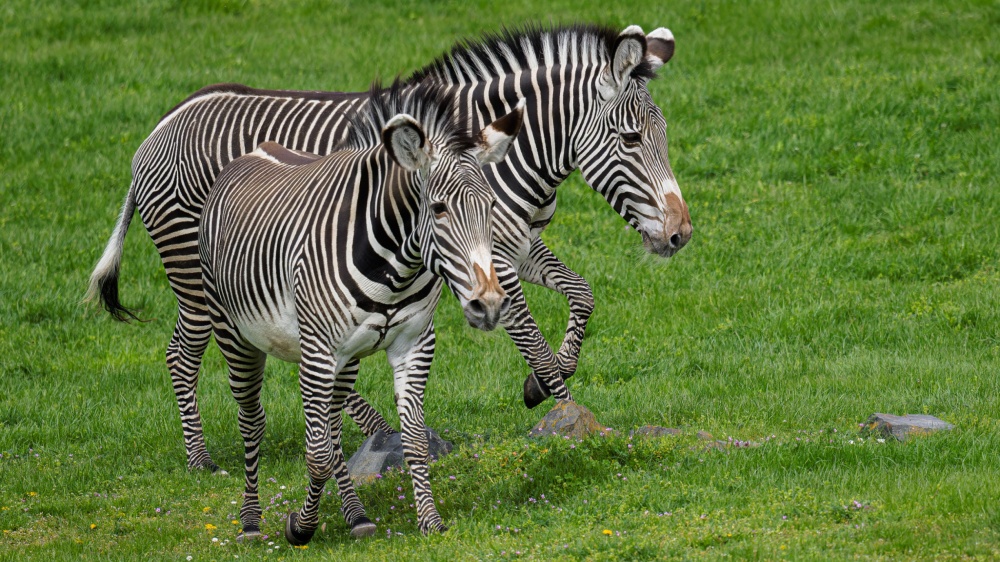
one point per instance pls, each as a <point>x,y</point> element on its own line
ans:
<point>543,268</point>
<point>410,370</point>
<point>324,391</point>
<point>363,414</point>
<point>523,330</point>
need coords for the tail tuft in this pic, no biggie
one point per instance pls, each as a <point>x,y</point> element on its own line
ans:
<point>104,280</point>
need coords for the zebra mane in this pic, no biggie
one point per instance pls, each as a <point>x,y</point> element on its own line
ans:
<point>430,104</point>
<point>530,46</point>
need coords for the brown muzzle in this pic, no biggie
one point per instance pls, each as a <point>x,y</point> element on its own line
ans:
<point>489,301</point>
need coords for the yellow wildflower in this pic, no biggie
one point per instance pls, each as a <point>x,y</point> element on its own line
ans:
<point>206,509</point>
<point>210,527</point>
<point>607,531</point>
<point>303,547</point>
<point>93,525</point>
<point>235,522</point>
<point>32,493</point>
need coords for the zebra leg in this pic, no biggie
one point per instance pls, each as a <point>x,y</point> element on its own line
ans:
<point>246,375</point>
<point>363,414</point>
<point>543,268</point>
<point>523,330</point>
<point>323,403</point>
<point>187,346</point>
<point>410,379</point>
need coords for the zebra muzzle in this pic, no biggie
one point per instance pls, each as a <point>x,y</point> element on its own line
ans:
<point>489,301</point>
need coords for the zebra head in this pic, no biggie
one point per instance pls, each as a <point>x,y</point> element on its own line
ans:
<point>622,148</point>
<point>454,223</point>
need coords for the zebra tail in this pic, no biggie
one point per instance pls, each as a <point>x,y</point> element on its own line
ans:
<point>104,279</point>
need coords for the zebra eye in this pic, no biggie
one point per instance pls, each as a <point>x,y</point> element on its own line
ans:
<point>439,209</point>
<point>632,138</point>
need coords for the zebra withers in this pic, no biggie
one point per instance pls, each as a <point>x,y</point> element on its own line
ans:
<point>324,260</point>
<point>588,108</point>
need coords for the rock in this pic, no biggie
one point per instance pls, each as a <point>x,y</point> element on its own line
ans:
<point>705,436</point>
<point>655,431</point>
<point>383,451</point>
<point>569,419</point>
<point>902,427</point>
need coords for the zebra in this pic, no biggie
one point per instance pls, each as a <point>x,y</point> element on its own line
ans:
<point>324,260</point>
<point>588,107</point>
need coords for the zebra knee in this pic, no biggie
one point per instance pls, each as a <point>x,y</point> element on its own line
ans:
<point>320,466</point>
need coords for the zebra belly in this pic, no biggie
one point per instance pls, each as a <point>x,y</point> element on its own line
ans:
<point>278,336</point>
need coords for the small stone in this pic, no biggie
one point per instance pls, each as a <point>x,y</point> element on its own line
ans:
<point>383,451</point>
<point>901,427</point>
<point>655,431</point>
<point>569,419</point>
<point>705,436</point>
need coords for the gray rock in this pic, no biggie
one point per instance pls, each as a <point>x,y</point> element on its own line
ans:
<point>902,427</point>
<point>383,451</point>
<point>567,418</point>
<point>655,431</point>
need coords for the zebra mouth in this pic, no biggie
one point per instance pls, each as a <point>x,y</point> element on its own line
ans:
<point>662,248</point>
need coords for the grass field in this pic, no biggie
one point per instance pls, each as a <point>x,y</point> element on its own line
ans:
<point>840,160</point>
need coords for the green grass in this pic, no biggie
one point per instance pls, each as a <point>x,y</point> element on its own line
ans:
<point>840,160</point>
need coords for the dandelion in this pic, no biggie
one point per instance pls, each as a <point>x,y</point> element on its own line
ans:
<point>303,547</point>
<point>32,494</point>
<point>210,527</point>
<point>93,526</point>
<point>206,509</point>
<point>607,532</point>
<point>235,522</point>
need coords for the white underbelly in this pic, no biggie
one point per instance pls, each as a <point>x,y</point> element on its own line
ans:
<point>278,336</point>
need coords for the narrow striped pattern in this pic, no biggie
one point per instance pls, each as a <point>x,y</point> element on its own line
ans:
<point>588,108</point>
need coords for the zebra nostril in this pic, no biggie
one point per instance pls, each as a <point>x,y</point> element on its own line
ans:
<point>504,305</point>
<point>476,308</point>
<point>675,240</point>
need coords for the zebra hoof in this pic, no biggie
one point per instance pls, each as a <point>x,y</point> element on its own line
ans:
<point>362,527</point>
<point>433,527</point>
<point>534,394</point>
<point>249,534</point>
<point>293,536</point>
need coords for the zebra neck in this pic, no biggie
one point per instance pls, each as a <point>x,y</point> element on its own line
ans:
<point>391,210</point>
<point>544,154</point>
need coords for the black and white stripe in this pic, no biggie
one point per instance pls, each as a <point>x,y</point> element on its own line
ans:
<point>324,260</point>
<point>587,107</point>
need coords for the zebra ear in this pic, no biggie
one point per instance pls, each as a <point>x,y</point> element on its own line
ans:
<point>659,47</point>
<point>496,138</point>
<point>630,48</point>
<point>406,142</point>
